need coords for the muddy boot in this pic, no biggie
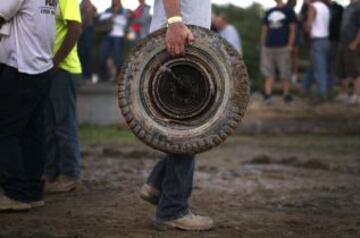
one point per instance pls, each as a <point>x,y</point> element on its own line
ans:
<point>8,204</point>
<point>62,184</point>
<point>150,194</point>
<point>190,222</point>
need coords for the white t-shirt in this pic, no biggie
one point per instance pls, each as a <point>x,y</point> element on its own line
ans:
<point>232,36</point>
<point>194,12</point>
<point>27,44</point>
<point>320,27</point>
<point>119,23</point>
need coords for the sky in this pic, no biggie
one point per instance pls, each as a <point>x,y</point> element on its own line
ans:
<point>131,4</point>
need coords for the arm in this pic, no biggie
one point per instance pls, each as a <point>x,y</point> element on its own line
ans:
<point>310,19</point>
<point>71,38</point>
<point>8,9</point>
<point>292,35</point>
<point>177,34</point>
<point>356,43</point>
<point>264,34</point>
<point>105,16</point>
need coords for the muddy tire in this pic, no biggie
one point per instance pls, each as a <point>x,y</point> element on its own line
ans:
<point>184,105</point>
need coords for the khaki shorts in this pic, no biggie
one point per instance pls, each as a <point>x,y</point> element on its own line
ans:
<point>348,63</point>
<point>276,60</point>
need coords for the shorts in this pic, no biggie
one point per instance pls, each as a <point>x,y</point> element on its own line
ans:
<point>275,60</point>
<point>348,63</point>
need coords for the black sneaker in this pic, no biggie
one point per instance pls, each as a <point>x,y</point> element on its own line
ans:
<point>288,99</point>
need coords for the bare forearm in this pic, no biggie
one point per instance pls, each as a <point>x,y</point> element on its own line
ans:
<point>292,35</point>
<point>71,38</point>
<point>172,7</point>
<point>310,19</point>
<point>263,35</point>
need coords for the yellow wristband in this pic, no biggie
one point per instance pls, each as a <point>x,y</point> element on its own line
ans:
<point>175,19</point>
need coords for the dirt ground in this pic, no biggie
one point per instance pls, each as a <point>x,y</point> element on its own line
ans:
<point>253,186</point>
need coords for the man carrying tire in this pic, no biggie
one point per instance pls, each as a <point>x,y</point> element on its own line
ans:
<point>170,183</point>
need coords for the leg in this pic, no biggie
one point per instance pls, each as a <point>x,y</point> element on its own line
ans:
<point>65,146</point>
<point>119,52</point>
<point>268,70</point>
<point>176,187</point>
<point>321,48</point>
<point>269,84</point>
<point>85,52</point>
<point>106,46</point>
<point>21,137</point>
<point>33,143</point>
<point>157,175</point>
<point>282,62</point>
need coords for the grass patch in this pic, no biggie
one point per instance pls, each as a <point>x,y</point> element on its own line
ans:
<point>90,134</point>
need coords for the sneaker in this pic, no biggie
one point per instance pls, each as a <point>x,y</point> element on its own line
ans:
<point>150,194</point>
<point>62,184</point>
<point>355,99</point>
<point>288,99</point>
<point>8,204</point>
<point>189,222</point>
<point>36,204</point>
<point>342,98</point>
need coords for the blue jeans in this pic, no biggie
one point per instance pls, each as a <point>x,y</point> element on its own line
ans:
<point>85,45</point>
<point>63,147</point>
<point>111,45</point>
<point>320,64</point>
<point>173,177</point>
<point>22,133</point>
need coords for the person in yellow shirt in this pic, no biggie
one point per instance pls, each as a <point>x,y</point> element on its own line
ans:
<point>62,170</point>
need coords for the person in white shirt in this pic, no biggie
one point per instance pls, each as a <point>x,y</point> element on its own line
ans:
<point>27,29</point>
<point>317,25</point>
<point>113,43</point>
<point>228,32</point>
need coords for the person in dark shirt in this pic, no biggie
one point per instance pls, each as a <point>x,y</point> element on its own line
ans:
<point>348,67</point>
<point>278,37</point>
<point>336,13</point>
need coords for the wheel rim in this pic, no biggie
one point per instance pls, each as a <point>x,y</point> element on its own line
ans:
<point>182,90</point>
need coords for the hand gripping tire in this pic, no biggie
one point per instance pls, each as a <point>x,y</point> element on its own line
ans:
<point>183,105</point>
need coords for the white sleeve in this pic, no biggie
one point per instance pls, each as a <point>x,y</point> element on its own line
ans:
<point>105,16</point>
<point>8,9</point>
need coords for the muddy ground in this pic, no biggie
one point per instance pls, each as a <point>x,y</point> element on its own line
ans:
<point>253,186</point>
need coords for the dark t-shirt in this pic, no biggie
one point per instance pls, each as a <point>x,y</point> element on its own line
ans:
<point>278,20</point>
<point>336,11</point>
<point>351,23</point>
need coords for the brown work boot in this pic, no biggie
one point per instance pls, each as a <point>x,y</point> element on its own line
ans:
<point>189,222</point>
<point>150,194</point>
<point>8,204</point>
<point>62,184</point>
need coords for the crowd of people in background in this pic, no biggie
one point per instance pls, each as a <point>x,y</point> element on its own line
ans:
<point>323,28</point>
<point>113,26</point>
<point>118,24</point>
<point>332,37</point>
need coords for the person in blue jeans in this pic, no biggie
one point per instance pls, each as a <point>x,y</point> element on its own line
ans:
<point>317,25</point>
<point>169,185</point>
<point>85,43</point>
<point>113,43</point>
<point>62,170</point>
